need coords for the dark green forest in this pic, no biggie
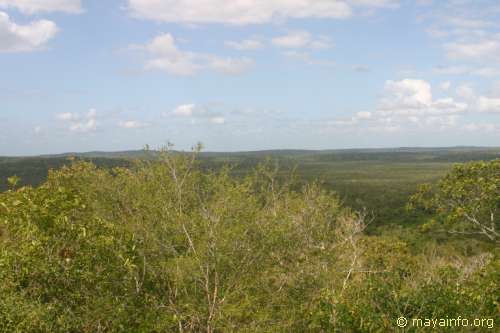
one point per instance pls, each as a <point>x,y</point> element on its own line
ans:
<point>274,241</point>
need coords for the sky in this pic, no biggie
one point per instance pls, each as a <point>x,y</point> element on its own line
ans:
<point>85,75</point>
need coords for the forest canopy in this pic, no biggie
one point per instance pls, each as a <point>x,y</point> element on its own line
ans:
<point>164,245</point>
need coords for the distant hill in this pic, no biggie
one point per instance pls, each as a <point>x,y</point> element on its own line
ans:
<point>33,169</point>
<point>459,153</point>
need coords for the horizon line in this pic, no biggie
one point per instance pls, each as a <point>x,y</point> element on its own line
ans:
<point>251,151</point>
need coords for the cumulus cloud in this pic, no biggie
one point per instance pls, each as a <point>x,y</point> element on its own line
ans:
<point>37,6</point>
<point>409,104</point>
<point>237,12</point>
<point>77,122</point>
<point>24,38</point>
<point>245,45</point>
<point>89,125</point>
<point>168,57</point>
<point>477,102</point>
<point>407,93</point>
<point>198,113</point>
<point>406,104</point>
<point>413,98</point>
<point>248,11</point>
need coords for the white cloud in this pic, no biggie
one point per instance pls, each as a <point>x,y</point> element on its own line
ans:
<point>293,40</point>
<point>473,50</point>
<point>445,86</point>
<point>237,12</point>
<point>407,104</point>
<point>244,45</point>
<point>67,116</point>
<point>132,124</point>
<point>487,104</point>
<point>185,110</point>
<point>469,33</point>
<point>407,94</point>
<point>376,3</point>
<point>36,6</point>
<point>89,125</point>
<point>478,103</point>
<point>176,66</point>
<point>301,39</point>
<point>25,38</point>
<point>195,113</point>
<point>363,115</point>
<point>231,65</point>
<point>166,56</point>
<point>217,120</point>
<point>164,44</point>
<point>80,123</point>
<point>242,12</point>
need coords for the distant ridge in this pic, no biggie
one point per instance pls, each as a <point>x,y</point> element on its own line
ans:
<point>33,169</point>
<point>143,153</point>
<point>140,153</point>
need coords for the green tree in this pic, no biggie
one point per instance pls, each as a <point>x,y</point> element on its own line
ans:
<point>468,199</point>
<point>163,246</point>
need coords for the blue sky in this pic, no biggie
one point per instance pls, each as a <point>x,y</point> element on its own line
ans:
<point>247,74</point>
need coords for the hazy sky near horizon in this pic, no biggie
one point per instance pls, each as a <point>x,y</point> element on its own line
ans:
<point>247,74</point>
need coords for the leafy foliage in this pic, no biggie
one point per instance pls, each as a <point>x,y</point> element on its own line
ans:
<point>165,245</point>
<point>468,197</point>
